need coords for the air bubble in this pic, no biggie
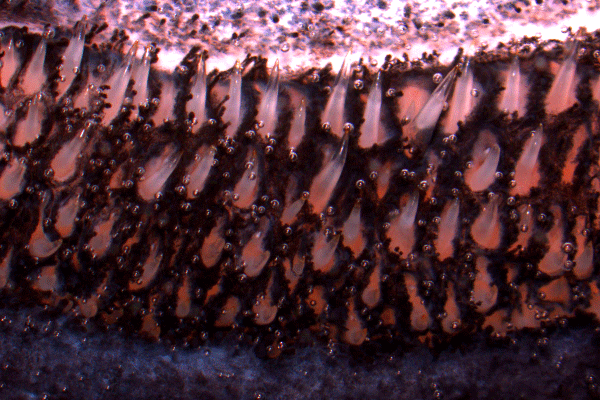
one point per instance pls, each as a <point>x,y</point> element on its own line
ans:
<point>101,68</point>
<point>391,92</point>
<point>437,77</point>
<point>285,47</point>
<point>567,247</point>
<point>475,93</point>
<point>348,128</point>
<point>402,29</point>
<point>358,84</point>
<point>360,184</point>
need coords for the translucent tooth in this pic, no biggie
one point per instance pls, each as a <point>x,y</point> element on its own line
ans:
<point>72,59</point>
<point>213,245</point>
<point>100,243</point>
<point>421,128</point>
<point>140,80</point>
<point>352,231</point>
<point>264,309</point>
<point>528,315</point>
<point>526,171</point>
<point>157,172</point>
<point>487,229</point>
<point>485,156</point>
<point>355,333</point>
<point>5,269</point>
<point>579,137</point>
<point>525,227</point>
<point>372,293</point>
<point>246,189</point>
<point>452,313</point>
<point>254,256</point>
<point>149,270</point>
<point>370,129</point>
<point>12,179</point>
<point>230,310</point>
<point>511,100</point>
<point>561,95</point>
<point>293,270</point>
<point>298,127</point>
<point>233,107</point>
<point>29,129</point>
<point>419,316</point>
<point>4,118</point>
<point>444,243</point>
<point>10,64</point>
<point>267,111</point>
<point>197,172</point>
<point>316,300</point>
<point>323,252</point>
<point>34,76</point>
<point>168,93</point>
<point>556,291</point>
<point>584,258</point>
<point>84,98</point>
<point>65,218</point>
<point>291,210</point>
<point>554,260</point>
<point>402,227</point>
<point>462,102</point>
<point>64,163</point>
<point>39,244</point>
<point>334,113</point>
<point>485,293</point>
<point>47,279</point>
<point>384,174</point>
<point>118,83</point>
<point>184,303</point>
<point>326,180</point>
<point>197,104</point>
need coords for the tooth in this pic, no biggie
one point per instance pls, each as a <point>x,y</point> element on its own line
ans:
<point>463,100</point>
<point>402,227</point>
<point>291,210</point>
<point>46,280</point>
<point>419,316</point>
<point>267,112</point>
<point>444,243</point>
<point>168,93</point>
<point>197,104</point>
<point>526,171</point>
<point>556,291</point>
<point>370,129</point>
<point>149,270</point>
<point>584,258</point>
<point>326,180</point>
<point>64,163</point>
<point>334,113</point>
<point>487,229</point>
<point>528,315</point>
<point>452,319</point>
<point>355,334</point>
<point>5,269</point>
<point>525,227</point>
<point>12,179</point>
<point>29,129</point>
<point>561,95</point>
<point>323,252</point>
<point>264,309</point>
<point>554,260</point>
<point>39,244</point>
<point>197,172</point>
<point>228,313</point>
<point>118,83</point>
<point>84,98</point>
<point>4,117</point>
<point>316,300</point>
<point>485,156</point>
<point>233,107</point>
<point>65,218</point>
<point>293,270</point>
<point>485,293</point>
<point>156,173</point>
<point>298,127</point>
<point>421,128</point>
<point>371,295</point>
<point>254,256</point>
<point>71,65</point>
<point>34,76</point>
<point>10,64</point>
<point>184,303</point>
<point>246,189</point>
<point>384,174</point>
<point>100,243</point>
<point>579,138</point>
<point>140,80</point>
<point>513,99</point>
<point>352,231</point>
<point>213,245</point>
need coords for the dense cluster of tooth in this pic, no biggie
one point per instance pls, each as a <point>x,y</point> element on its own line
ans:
<point>358,205</point>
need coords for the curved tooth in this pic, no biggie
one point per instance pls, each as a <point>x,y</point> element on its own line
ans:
<point>554,260</point>
<point>100,243</point>
<point>233,107</point>
<point>526,170</point>
<point>5,269</point>
<point>254,256</point>
<point>571,163</point>
<point>371,295</point>
<point>267,111</point>
<point>65,217</point>
<point>197,172</point>
<point>140,80</point>
<point>156,173</point>
<point>355,333</point>
<point>444,242</point>
<point>64,163</point>
<point>352,231</point>
<point>326,180</point>
<point>10,64</point>
<point>4,117</point>
<point>525,227</point>
<point>323,251</point>
<point>291,211</point>
<point>463,100</point>
<point>39,244</point>
<point>29,129</point>
<point>118,83</point>
<point>334,113</point>
<point>34,76</point>
<point>46,280</point>
<point>513,98</point>
<point>71,65</point>
<point>84,98</point>
<point>298,128</point>
<point>184,301</point>
<point>246,189</point>
<point>197,103</point>
<point>402,227</point>
<point>584,258</point>
<point>149,269</point>
<point>371,128</point>
<point>263,308</point>
<point>12,179</point>
<point>487,229</point>
<point>229,312</point>
<point>485,156</point>
<point>451,321</point>
<point>168,94</point>
<point>485,293</point>
<point>213,245</point>
<point>293,270</point>
<point>561,95</point>
<point>419,316</point>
